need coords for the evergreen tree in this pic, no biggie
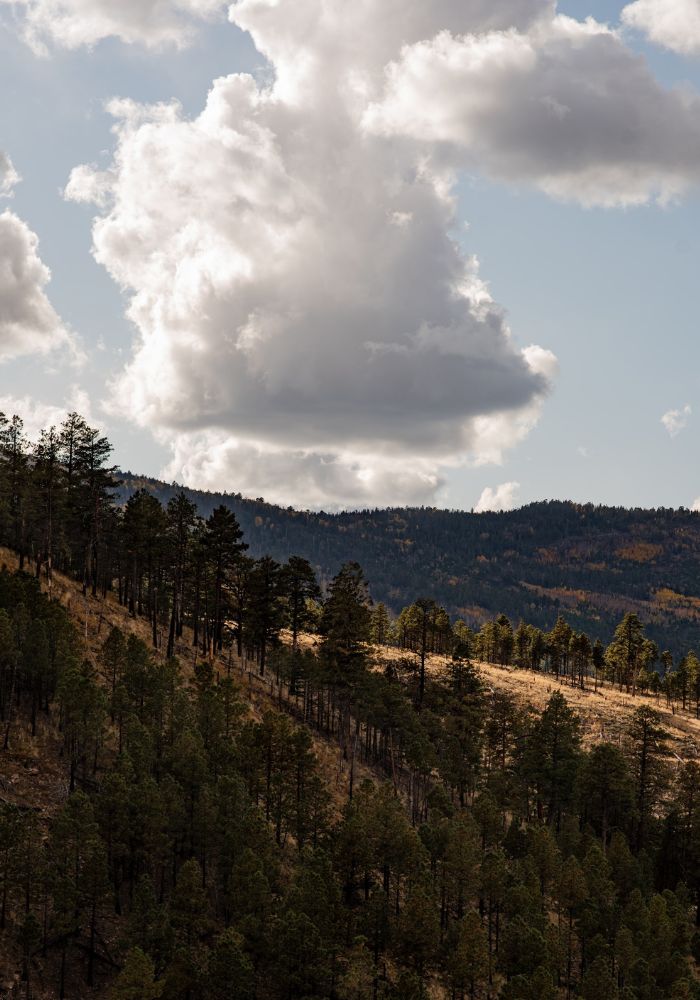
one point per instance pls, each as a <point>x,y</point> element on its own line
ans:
<point>230,972</point>
<point>181,517</point>
<point>136,981</point>
<point>47,500</point>
<point>14,458</point>
<point>468,960</point>
<point>223,545</point>
<point>265,608</point>
<point>300,587</point>
<point>605,789</point>
<point>345,628</point>
<point>552,758</point>
<point>627,653</point>
<point>647,754</point>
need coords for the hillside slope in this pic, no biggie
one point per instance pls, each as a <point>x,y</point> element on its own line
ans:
<point>91,953</point>
<point>591,563</point>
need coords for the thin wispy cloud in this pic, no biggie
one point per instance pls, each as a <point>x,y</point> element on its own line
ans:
<point>70,24</point>
<point>9,177</point>
<point>676,420</point>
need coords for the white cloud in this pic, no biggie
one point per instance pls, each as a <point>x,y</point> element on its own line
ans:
<point>673,24</point>
<point>565,106</point>
<point>288,253</point>
<point>503,497</point>
<point>74,23</point>
<point>28,322</point>
<point>676,420</point>
<point>35,415</point>
<point>301,298</point>
<point>215,460</point>
<point>38,416</point>
<point>696,505</point>
<point>8,176</point>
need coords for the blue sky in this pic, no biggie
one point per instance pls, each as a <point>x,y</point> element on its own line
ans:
<point>611,291</point>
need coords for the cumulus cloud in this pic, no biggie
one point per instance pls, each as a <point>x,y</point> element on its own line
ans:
<point>315,329</point>
<point>8,176</point>
<point>696,505</point>
<point>565,106</point>
<point>28,322</point>
<point>308,325</point>
<point>37,415</point>
<point>676,420</point>
<point>214,460</point>
<point>74,23</point>
<point>503,497</point>
<point>673,24</point>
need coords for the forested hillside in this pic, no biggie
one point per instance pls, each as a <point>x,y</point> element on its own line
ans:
<point>591,563</point>
<point>219,779</point>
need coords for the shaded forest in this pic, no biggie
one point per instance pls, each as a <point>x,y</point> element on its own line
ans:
<point>198,844</point>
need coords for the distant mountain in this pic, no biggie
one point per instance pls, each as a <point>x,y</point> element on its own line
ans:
<point>591,563</point>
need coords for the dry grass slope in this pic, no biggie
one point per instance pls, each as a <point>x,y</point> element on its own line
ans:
<point>31,772</point>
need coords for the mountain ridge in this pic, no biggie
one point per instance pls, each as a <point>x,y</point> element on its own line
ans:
<point>590,562</point>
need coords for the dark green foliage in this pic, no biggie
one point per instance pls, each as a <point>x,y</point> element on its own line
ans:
<point>551,761</point>
<point>209,838</point>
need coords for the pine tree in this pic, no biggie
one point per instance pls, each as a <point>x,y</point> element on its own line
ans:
<point>598,982</point>
<point>265,609</point>
<point>468,959</point>
<point>113,657</point>
<point>558,645</point>
<point>345,627</point>
<point>647,753</point>
<point>14,458</point>
<point>380,624</point>
<point>136,981</point>
<point>230,972</point>
<point>47,508</point>
<point>572,891</point>
<point>300,587</point>
<point>605,789</point>
<point>181,517</point>
<point>94,484</point>
<point>78,873</point>
<point>29,938</point>
<point>552,758</point>
<point>223,545</point>
<point>143,530</point>
<point>418,930</point>
<point>627,653</point>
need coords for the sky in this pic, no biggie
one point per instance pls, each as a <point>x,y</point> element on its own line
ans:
<point>346,255</point>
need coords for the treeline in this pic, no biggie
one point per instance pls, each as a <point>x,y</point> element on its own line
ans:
<point>205,854</point>
<point>527,563</point>
<point>631,660</point>
<point>58,508</point>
